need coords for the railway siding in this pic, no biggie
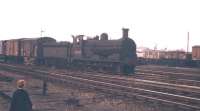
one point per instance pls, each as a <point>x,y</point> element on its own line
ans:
<point>180,101</point>
<point>58,97</point>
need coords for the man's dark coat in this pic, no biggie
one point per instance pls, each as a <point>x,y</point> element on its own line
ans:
<point>20,101</point>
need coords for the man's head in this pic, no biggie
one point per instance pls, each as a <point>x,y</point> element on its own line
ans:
<point>21,83</point>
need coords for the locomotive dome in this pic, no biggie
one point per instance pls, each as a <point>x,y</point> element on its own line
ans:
<point>104,36</point>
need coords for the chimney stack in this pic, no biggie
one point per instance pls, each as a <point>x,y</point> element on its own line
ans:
<point>125,32</point>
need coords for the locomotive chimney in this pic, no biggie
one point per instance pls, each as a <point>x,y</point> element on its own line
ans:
<point>125,32</point>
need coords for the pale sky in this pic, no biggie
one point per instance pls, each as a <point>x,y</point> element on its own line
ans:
<point>164,23</point>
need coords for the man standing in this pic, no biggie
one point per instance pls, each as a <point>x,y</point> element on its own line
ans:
<point>20,99</point>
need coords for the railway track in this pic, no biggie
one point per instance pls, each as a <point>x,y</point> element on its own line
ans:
<point>171,69</point>
<point>171,78</point>
<point>138,83</point>
<point>179,86</point>
<point>174,75</point>
<point>147,74</point>
<point>153,74</point>
<point>157,73</point>
<point>168,79</point>
<point>119,86</point>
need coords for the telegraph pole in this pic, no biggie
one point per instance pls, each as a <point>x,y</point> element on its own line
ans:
<point>188,38</point>
<point>41,32</point>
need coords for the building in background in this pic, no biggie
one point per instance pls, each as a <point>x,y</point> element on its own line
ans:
<point>160,54</point>
<point>196,52</point>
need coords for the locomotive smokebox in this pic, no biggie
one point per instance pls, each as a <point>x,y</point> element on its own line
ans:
<point>125,32</point>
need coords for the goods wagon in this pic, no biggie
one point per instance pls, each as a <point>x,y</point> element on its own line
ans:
<point>1,47</point>
<point>24,50</point>
<point>27,49</point>
<point>115,55</point>
<point>2,57</point>
<point>12,51</point>
<point>31,49</point>
<point>57,54</point>
<point>196,52</point>
<point>12,47</point>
